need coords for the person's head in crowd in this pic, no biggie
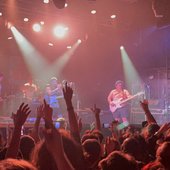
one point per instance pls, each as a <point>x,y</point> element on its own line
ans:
<point>92,152</point>
<point>14,164</point>
<point>118,161</point>
<point>41,157</point>
<point>43,160</point>
<point>88,136</point>
<point>116,144</point>
<point>98,134</point>
<point>150,130</point>
<point>131,147</point>
<point>27,144</point>
<point>144,124</point>
<point>163,154</point>
<point>154,166</point>
<point>3,153</point>
<point>143,149</point>
<point>61,123</point>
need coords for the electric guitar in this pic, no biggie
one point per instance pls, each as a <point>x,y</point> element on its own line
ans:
<point>115,104</point>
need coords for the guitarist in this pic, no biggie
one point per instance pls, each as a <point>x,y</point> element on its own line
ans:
<point>119,94</point>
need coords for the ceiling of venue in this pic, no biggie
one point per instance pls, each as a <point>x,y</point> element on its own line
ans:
<point>96,64</point>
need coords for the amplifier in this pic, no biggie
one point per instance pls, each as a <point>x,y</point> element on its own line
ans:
<point>138,116</point>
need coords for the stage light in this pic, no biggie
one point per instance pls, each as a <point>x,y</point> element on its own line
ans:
<point>42,22</point>
<point>69,47</point>
<point>51,44</point>
<point>79,41</point>
<point>10,38</point>
<point>93,12</point>
<point>121,48</point>
<point>113,16</point>
<point>130,72</point>
<point>60,31</point>
<point>66,5</point>
<point>26,19</point>
<point>9,25</point>
<point>46,1</point>
<point>0,14</point>
<point>36,27</point>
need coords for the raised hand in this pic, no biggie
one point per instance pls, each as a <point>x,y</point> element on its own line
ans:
<point>40,111</point>
<point>68,93</point>
<point>21,115</point>
<point>47,110</point>
<point>96,110</point>
<point>144,105</point>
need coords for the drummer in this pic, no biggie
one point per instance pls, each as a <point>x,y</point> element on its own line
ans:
<point>30,91</point>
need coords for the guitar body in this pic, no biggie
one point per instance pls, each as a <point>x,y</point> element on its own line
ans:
<point>115,104</point>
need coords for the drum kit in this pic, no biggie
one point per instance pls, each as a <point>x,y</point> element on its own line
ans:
<point>29,94</point>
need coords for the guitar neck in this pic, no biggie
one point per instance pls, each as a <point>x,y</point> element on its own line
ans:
<point>126,100</point>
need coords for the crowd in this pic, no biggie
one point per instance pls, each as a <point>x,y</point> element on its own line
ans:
<point>63,149</point>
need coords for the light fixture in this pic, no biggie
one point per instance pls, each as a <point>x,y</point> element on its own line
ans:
<point>113,16</point>
<point>36,27</point>
<point>46,1</point>
<point>93,11</point>
<point>26,19</point>
<point>60,31</point>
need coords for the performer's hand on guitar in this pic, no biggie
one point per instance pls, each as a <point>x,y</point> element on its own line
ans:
<point>112,104</point>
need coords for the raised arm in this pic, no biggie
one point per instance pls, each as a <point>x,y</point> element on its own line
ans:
<point>149,116</point>
<point>19,120</point>
<point>54,145</point>
<point>35,131</point>
<point>53,141</point>
<point>96,112</point>
<point>74,128</point>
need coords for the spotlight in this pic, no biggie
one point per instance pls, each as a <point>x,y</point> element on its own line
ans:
<point>10,38</point>
<point>46,1</point>
<point>51,44</point>
<point>0,14</point>
<point>36,27</point>
<point>66,5</point>
<point>79,41</point>
<point>9,25</point>
<point>69,47</point>
<point>26,19</point>
<point>113,16</point>
<point>42,22</point>
<point>60,31</point>
<point>93,12</point>
<point>121,48</point>
<point>59,3</point>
